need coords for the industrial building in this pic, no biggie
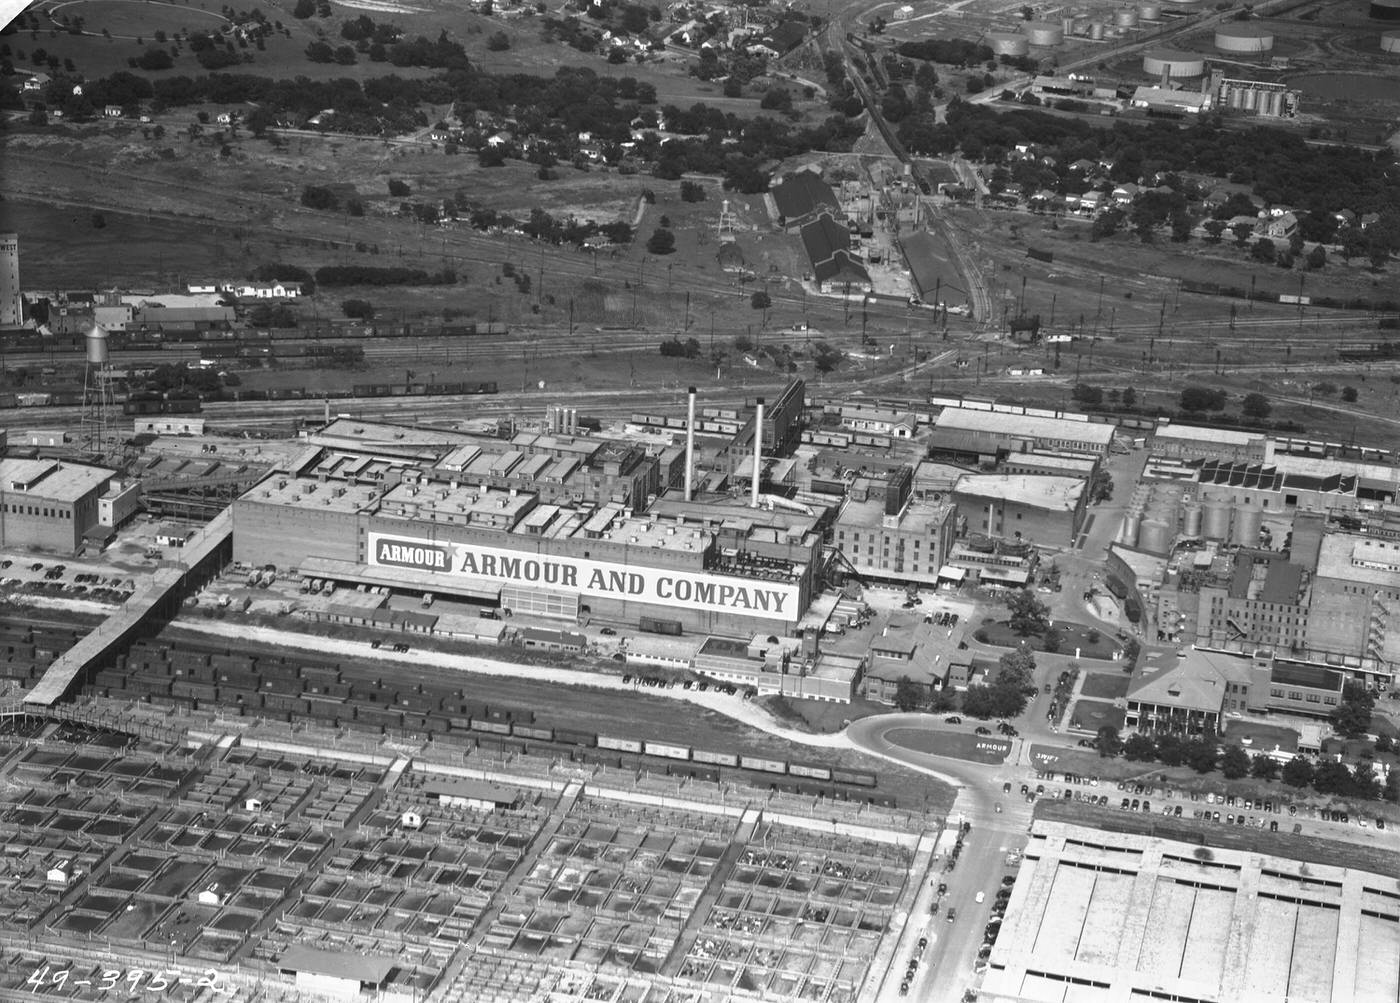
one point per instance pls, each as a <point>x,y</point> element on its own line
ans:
<point>49,504</point>
<point>1173,64</point>
<point>801,196</point>
<point>1042,510</point>
<point>1257,97</point>
<point>1165,101</point>
<point>1013,432</point>
<point>1096,915</point>
<point>892,536</point>
<point>835,267</point>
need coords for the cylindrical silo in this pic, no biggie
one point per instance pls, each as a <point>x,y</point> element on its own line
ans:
<point>1390,42</point>
<point>1130,529</point>
<point>1191,519</point>
<point>96,341</point>
<point>1067,26</point>
<point>1126,17</point>
<point>1008,43</point>
<point>1216,524</point>
<point>1249,39</point>
<point>1154,536</point>
<point>1250,100</point>
<point>1248,519</point>
<point>1045,34</point>
<point>1096,31</point>
<point>1273,104</point>
<point>1150,11</point>
<point>1175,63</point>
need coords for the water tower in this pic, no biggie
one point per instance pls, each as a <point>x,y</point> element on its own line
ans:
<point>97,390</point>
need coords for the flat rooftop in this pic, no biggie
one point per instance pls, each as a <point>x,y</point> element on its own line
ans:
<point>1359,560</point>
<point>642,531</point>
<point>1040,490</point>
<point>52,480</point>
<point>310,492</point>
<point>1201,433</point>
<point>464,504</point>
<point>1024,426</point>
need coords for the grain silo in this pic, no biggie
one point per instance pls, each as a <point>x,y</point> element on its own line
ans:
<point>1244,39</point>
<point>1125,17</point>
<point>1191,519</point>
<point>1217,520</point>
<point>1129,535</point>
<point>1176,64</point>
<point>1154,536</point>
<point>1390,42</point>
<point>1248,519</point>
<point>1045,34</point>
<point>1008,43</point>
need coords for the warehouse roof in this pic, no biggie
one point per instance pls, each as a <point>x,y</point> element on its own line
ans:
<point>926,266</point>
<point>1039,490</point>
<point>340,964</point>
<point>52,480</point>
<point>1359,560</point>
<point>803,193</point>
<point>1200,433</point>
<point>470,789</point>
<point>1026,426</point>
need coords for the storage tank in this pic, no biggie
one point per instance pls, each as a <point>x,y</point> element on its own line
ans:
<point>1126,17</point>
<point>1250,100</point>
<point>1067,26</point>
<point>1191,519</point>
<point>1251,39</point>
<point>1271,103</point>
<point>1154,536</point>
<point>1150,11</point>
<point>1177,64</point>
<point>1390,42</point>
<point>1008,43</point>
<point>1045,34</point>
<point>1217,520</point>
<point>96,342</point>
<point>1096,31</point>
<point>1385,10</point>
<point>1130,529</point>
<point>1248,519</point>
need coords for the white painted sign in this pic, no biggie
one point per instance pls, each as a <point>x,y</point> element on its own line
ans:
<point>595,579</point>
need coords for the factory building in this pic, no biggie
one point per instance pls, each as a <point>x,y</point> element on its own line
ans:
<point>1042,510</point>
<point>49,504</point>
<point>892,536</point>
<point>11,303</point>
<point>1019,433</point>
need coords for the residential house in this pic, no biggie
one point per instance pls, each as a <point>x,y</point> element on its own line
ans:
<point>1124,194</point>
<point>36,83</point>
<point>112,111</point>
<point>1282,227</point>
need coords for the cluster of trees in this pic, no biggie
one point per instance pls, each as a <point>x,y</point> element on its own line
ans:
<point>1006,695</point>
<point>1203,753</point>
<point>358,309</point>
<point>675,348</point>
<point>282,272</point>
<point>951,51</point>
<point>370,275</point>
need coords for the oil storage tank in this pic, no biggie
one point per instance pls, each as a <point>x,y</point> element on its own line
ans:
<point>1096,31</point>
<point>1244,39</point>
<point>1217,520</point>
<point>1248,519</point>
<point>1390,42</point>
<point>1008,43</point>
<point>1154,536</point>
<point>1045,34</point>
<point>1126,17</point>
<point>1150,11</point>
<point>1177,64</point>
<point>1385,10</point>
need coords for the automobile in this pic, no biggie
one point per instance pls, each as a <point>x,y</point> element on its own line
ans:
<point>1010,732</point>
<point>1273,825</point>
<point>1124,805</point>
<point>1176,812</point>
<point>1025,788</point>
<point>1361,821</point>
<point>953,621</point>
<point>952,719</point>
<point>688,684</point>
<point>1210,798</point>
<point>1069,793</point>
<point>998,807</point>
<point>952,914</point>
<point>1380,822</point>
<point>933,909</point>
<point>1213,816</point>
<point>1268,806</point>
<point>983,730</point>
<point>1030,798</point>
<point>1345,818</point>
<point>1047,687</point>
<point>6,563</point>
<point>36,566</point>
<point>1292,810</point>
<point>608,632</point>
<point>1040,788</point>
<point>904,989</point>
<point>1230,819</point>
<point>943,888</point>
<point>376,643</point>
<point>1239,820</point>
<point>1136,804</point>
<point>1297,828</point>
<point>703,686</point>
<point>1146,806</point>
<point>1248,805</point>
<point>1230,800</point>
<point>923,943</point>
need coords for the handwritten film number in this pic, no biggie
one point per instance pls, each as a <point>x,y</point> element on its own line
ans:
<point>155,981</point>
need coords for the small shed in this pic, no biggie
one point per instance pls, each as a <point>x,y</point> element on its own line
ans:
<point>60,874</point>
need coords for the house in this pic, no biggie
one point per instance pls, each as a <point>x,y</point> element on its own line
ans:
<point>1083,166</point>
<point>1091,202</point>
<point>1125,193</point>
<point>36,83</point>
<point>1344,217</point>
<point>213,895</point>
<point>224,118</point>
<point>786,36</point>
<point>60,874</point>
<point>112,111</point>
<point>1282,227</point>
<point>464,792</point>
<point>497,139</point>
<point>1368,218</point>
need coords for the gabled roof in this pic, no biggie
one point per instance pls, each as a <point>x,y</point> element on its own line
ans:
<point>340,964</point>
<point>1194,680</point>
<point>803,193</point>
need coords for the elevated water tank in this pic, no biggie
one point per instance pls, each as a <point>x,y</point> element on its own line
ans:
<point>1043,33</point>
<point>1150,11</point>
<point>1129,535</point>
<point>1244,38</point>
<point>96,342</point>
<point>1126,17</point>
<point>1175,63</point>
<point>1096,31</point>
<point>1248,519</point>
<point>1008,43</point>
<point>1154,536</point>
<point>1217,520</point>
<point>1191,519</point>
<point>1390,42</point>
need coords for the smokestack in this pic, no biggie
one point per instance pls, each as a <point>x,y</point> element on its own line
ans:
<point>757,451</point>
<point>689,443</point>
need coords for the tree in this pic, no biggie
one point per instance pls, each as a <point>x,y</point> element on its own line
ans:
<point>1264,768</point>
<point>1140,748</point>
<point>99,221</point>
<point>1202,754</point>
<point>944,700</point>
<point>1107,742</point>
<point>1215,229</point>
<point>358,309</point>
<point>1317,257</point>
<point>1297,772</point>
<point>1392,786</point>
<point>1016,669</point>
<point>1052,640</point>
<point>1264,251</point>
<point>1349,394</point>
<point>692,191</point>
<point>1129,397</point>
<point>1352,717</point>
<point>1100,486</point>
<point>1234,762</point>
<point>1028,614</point>
<point>399,189</point>
<point>303,9</point>
<point>760,300</point>
<point>907,696</point>
<point>498,42</point>
<point>1255,406</point>
<point>1364,782</point>
<point>1202,399</point>
<point>1171,750</point>
<point>1332,777</point>
<point>1242,232</point>
<point>661,241</point>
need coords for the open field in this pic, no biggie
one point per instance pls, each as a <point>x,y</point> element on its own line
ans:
<point>1104,685</point>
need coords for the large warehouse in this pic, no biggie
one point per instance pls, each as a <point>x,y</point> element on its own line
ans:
<point>1111,916</point>
<point>540,524</point>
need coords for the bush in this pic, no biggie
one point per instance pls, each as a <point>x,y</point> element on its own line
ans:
<point>399,189</point>
<point>498,42</point>
<point>358,309</point>
<point>661,241</point>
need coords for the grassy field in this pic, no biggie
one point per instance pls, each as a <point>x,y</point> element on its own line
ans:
<point>1104,685</point>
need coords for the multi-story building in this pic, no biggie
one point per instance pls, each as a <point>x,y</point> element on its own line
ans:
<point>11,310</point>
<point>49,504</point>
<point>1041,509</point>
<point>1263,603</point>
<point>895,537</point>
